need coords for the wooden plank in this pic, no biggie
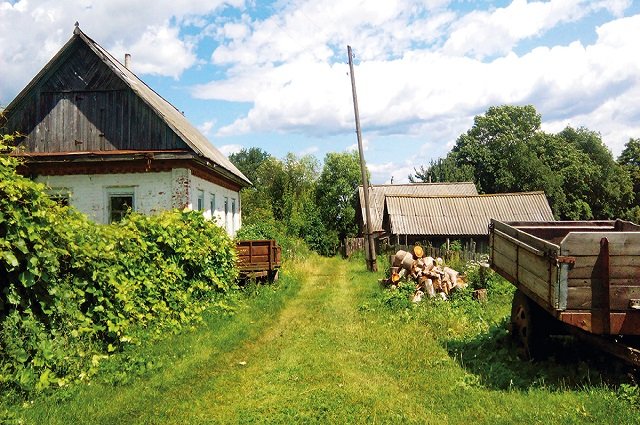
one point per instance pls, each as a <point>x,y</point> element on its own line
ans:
<point>255,259</point>
<point>576,283</point>
<point>627,323</point>
<point>534,284</point>
<point>504,247</point>
<point>580,298</point>
<point>259,250</point>
<point>539,266</point>
<point>626,266</point>
<point>583,244</point>
<point>504,264</point>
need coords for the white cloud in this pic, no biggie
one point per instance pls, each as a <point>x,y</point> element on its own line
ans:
<point>354,147</point>
<point>229,149</point>
<point>485,33</point>
<point>423,68</point>
<point>206,127</point>
<point>414,91</point>
<point>148,29</point>
<point>308,151</point>
<point>385,172</point>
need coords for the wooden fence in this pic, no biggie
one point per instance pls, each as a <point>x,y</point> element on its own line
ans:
<point>467,253</point>
<point>446,254</point>
<point>351,245</point>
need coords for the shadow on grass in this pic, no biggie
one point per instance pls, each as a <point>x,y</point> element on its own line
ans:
<point>570,363</point>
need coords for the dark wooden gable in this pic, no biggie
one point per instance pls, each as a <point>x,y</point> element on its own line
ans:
<point>80,104</point>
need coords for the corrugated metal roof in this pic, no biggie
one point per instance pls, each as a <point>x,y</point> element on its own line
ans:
<point>172,116</point>
<point>462,215</point>
<point>378,192</point>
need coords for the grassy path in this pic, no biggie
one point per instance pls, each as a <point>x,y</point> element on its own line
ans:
<point>323,358</point>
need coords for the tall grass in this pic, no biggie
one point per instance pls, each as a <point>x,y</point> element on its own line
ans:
<point>329,345</point>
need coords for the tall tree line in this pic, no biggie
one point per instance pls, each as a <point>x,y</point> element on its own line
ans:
<point>298,197</point>
<point>506,151</point>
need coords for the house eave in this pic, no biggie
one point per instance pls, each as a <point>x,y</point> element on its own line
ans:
<point>119,162</point>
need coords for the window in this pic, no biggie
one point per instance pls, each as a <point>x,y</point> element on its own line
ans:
<point>119,206</point>
<point>226,214</point>
<point>60,196</point>
<point>120,202</point>
<point>233,216</point>
<point>200,200</point>
<point>212,204</point>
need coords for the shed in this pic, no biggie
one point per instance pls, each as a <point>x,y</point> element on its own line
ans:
<point>105,142</point>
<point>434,219</point>
<point>378,192</point>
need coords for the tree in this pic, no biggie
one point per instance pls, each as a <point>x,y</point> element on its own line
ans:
<point>248,161</point>
<point>497,139</point>
<point>630,160</point>
<point>610,188</point>
<point>443,170</point>
<point>336,192</point>
<point>506,151</point>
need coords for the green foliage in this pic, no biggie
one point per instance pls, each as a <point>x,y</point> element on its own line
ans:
<point>74,291</point>
<point>282,205</point>
<point>336,192</point>
<point>505,151</point>
<point>630,160</point>
<point>248,161</point>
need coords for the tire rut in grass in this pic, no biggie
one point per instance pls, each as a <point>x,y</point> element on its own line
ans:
<point>303,353</point>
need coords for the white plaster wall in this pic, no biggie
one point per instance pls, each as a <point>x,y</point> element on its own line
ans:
<point>88,193</point>
<point>153,192</point>
<point>234,223</point>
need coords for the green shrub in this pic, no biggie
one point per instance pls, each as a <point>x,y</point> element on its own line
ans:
<point>74,291</point>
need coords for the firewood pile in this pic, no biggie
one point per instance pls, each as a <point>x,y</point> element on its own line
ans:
<point>431,277</point>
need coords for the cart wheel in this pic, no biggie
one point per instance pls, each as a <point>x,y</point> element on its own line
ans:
<point>528,327</point>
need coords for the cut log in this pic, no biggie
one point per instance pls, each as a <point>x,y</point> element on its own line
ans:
<point>397,259</point>
<point>452,276</point>
<point>480,295</point>
<point>408,262</point>
<point>418,251</point>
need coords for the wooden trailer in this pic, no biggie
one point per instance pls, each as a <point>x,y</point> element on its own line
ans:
<point>260,259</point>
<point>581,277</point>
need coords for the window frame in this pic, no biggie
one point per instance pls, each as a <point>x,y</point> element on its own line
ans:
<point>118,192</point>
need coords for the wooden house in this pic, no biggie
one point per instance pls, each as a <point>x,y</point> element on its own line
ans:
<point>105,142</point>
<point>436,219</point>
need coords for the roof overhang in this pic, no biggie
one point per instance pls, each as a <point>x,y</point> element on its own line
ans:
<point>119,162</point>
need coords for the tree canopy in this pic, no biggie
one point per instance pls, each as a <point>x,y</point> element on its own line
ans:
<point>506,151</point>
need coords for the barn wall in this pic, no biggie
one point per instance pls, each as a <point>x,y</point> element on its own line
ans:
<point>81,105</point>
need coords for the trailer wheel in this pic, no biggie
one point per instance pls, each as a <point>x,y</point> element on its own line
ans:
<point>528,327</point>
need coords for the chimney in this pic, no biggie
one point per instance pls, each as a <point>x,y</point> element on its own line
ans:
<point>127,60</point>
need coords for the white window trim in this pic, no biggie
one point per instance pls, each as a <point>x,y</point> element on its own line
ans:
<point>200,207</point>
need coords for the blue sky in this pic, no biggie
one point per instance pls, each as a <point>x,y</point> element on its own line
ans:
<point>275,75</point>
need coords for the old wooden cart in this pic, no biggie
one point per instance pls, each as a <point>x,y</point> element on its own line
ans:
<point>259,259</point>
<point>581,277</point>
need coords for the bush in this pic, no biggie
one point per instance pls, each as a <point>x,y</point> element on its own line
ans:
<point>74,291</point>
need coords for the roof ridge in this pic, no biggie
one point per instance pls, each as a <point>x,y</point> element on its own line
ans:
<point>484,195</point>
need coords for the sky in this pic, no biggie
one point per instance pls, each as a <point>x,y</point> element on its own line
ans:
<point>275,74</point>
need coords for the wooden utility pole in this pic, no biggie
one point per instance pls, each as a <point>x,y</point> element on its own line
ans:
<point>370,253</point>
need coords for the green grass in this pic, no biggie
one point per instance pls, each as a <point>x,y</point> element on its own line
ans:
<point>330,347</point>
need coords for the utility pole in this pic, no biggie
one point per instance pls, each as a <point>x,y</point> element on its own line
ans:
<point>372,265</point>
